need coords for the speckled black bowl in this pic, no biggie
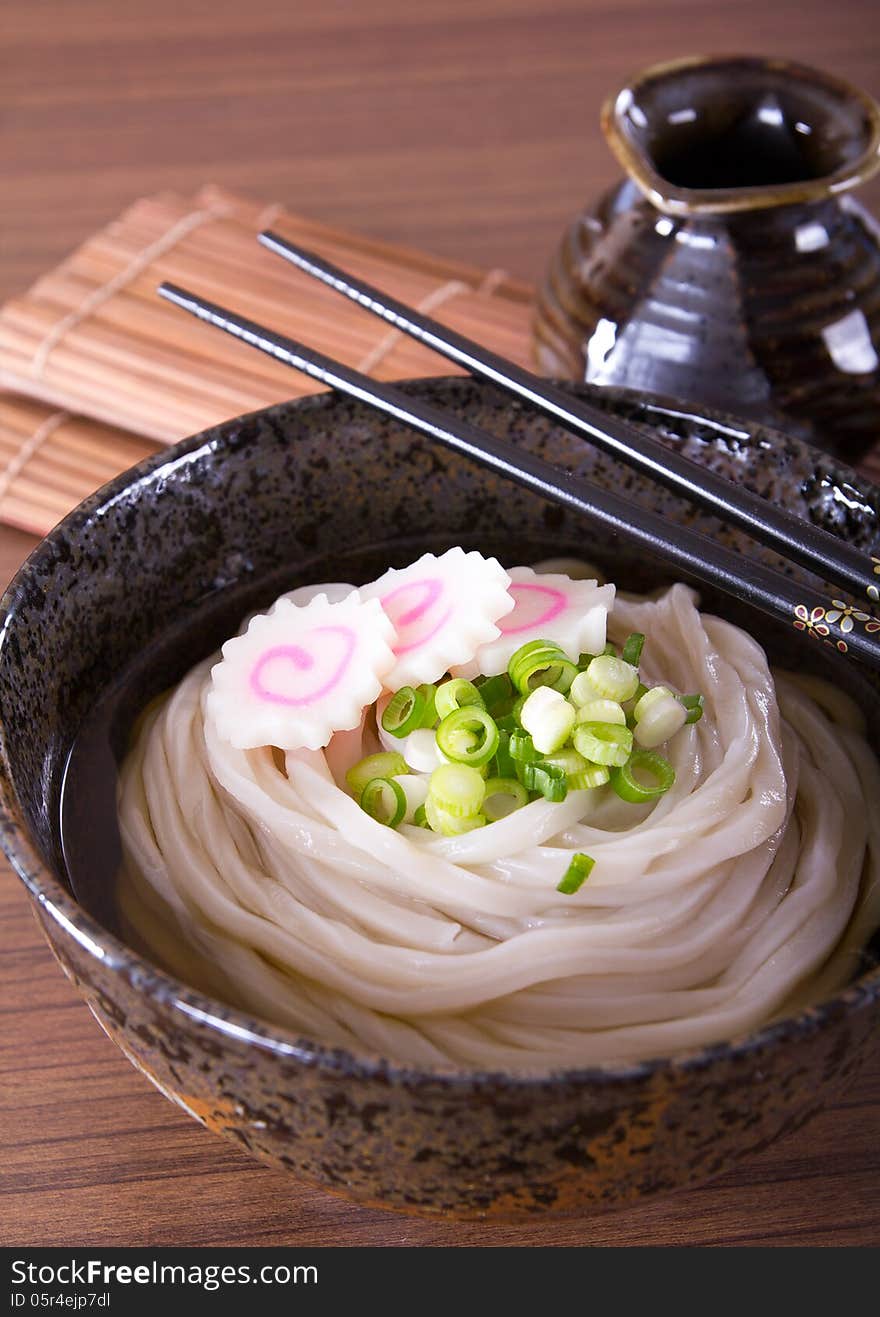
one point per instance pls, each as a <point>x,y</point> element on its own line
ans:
<point>224,521</point>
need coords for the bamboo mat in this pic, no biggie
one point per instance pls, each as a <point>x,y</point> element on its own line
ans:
<point>99,371</point>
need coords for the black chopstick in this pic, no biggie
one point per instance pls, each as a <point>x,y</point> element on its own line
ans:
<point>813,548</point>
<point>683,548</point>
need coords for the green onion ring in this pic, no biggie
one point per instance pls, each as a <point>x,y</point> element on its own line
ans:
<point>451,825</point>
<point>384,800</point>
<point>568,760</point>
<point>456,789</point>
<point>457,694</point>
<point>594,775</point>
<point>603,743</point>
<point>580,775</point>
<point>545,660</point>
<point>404,712</point>
<point>627,786</point>
<point>468,735</point>
<point>546,778</point>
<point>387,764</point>
<point>521,748</point>
<point>503,787</point>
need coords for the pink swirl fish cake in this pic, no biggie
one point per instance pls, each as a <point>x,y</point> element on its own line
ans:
<point>299,674</point>
<point>545,607</point>
<point>442,609</point>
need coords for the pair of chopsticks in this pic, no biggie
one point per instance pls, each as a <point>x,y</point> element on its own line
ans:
<point>851,630</point>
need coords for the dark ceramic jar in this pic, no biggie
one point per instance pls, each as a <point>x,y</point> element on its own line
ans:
<point>730,268</point>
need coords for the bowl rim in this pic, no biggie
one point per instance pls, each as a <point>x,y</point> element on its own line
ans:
<point>53,900</point>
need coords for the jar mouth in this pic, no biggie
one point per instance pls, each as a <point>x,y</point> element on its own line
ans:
<point>715,134</point>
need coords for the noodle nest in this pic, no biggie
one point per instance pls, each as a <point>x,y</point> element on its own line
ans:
<point>742,894</point>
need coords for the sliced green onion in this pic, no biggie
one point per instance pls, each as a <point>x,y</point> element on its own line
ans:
<point>569,760</point>
<point>629,705</point>
<point>548,717</point>
<point>602,711</point>
<point>420,818</point>
<point>525,653</point>
<point>579,774</point>
<point>415,787</point>
<point>541,663</point>
<point>594,775</point>
<point>628,786</point>
<point>404,712</point>
<point>612,679</point>
<point>457,694</point>
<point>664,718</point>
<point>518,704</point>
<point>507,714</point>
<point>384,800</point>
<point>610,650</point>
<point>694,705</point>
<point>429,691</point>
<point>456,789</point>
<point>632,649</point>
<point>468,735</point>
<point>550,781</point>
<point>502,763</point>
<point>388,764</point>
<point>576,874</point>
<point>603,743</point>
<point>521,748</point>
<point>649,699</point>
<point>582,690</point>
<point>495,690</point>
<point>451,825</point>
<point>503,796</point>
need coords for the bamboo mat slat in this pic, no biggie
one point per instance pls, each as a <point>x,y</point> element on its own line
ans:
<point>51,460</point>
<point>100,372</point>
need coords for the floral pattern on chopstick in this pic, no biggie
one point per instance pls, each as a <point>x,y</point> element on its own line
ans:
<point>811,620</point>
<point>874,590</point>
<point>845,615</point>
<point>815,621</point>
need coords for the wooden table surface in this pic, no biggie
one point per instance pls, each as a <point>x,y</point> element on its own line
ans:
<point>468,128</point>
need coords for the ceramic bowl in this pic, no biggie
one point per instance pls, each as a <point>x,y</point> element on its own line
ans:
<point>304,491</point>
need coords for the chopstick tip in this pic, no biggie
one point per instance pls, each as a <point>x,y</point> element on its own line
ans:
<point>179,296</point>
<point>298,256</point>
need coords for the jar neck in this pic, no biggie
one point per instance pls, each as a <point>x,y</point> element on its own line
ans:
<point>704,137</point>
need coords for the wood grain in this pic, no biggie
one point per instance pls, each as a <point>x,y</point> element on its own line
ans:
<point>465,127</point>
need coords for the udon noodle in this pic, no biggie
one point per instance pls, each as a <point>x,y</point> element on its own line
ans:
<point>745,892</point>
